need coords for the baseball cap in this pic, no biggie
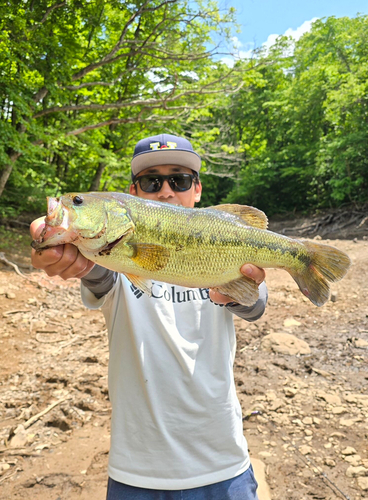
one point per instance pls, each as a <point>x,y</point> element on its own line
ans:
<point>164,149</point>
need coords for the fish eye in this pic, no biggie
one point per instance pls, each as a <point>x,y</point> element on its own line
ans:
<point>77,200</point>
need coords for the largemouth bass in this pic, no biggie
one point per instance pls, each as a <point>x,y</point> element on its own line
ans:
<point>192,247</point>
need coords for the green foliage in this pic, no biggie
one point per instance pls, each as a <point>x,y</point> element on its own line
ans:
<point>299,125</point>
<point>11,239</point>
<point>82,81</point>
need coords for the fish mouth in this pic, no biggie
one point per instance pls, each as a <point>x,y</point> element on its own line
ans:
<point>56,230</point>
<point>55,212</point>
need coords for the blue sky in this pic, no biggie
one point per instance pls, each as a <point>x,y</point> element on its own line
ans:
<point>260,19</point>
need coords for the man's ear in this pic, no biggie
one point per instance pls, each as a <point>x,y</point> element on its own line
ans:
<point>198,192</point>
<point>133,190</point>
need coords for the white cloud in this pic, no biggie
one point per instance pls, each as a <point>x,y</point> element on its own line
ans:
<point>295,34</point>
<point>246,51</point>
<point>304,28</point>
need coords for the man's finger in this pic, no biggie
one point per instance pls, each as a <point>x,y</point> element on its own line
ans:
<point>219,298</point>
<point>36,227</point>
<point>255,273</point>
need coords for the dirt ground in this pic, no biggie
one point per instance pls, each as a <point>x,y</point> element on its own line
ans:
<point>305,415</point>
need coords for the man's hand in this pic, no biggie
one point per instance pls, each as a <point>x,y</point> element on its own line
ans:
<point>250,271</point>
<point>63,260</point>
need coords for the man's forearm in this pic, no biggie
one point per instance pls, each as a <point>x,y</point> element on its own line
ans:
<point>100,280</point>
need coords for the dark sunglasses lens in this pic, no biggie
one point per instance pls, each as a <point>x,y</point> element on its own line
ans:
<point>180,182</point>
<point>150,183</point>
<point>153,183</point>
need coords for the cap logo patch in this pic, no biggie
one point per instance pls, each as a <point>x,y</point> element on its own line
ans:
<point>155,146</point>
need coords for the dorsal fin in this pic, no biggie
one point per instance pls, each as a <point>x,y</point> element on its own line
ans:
<point>250,215</point>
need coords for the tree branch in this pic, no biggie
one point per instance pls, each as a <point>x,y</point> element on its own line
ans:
<point>139,102</point>
<point>117,121</point>
<point>108,57</point>
<point>47,13</point>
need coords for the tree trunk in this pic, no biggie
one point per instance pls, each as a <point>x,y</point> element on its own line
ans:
<point>7,170</point>
<point>95,184</point>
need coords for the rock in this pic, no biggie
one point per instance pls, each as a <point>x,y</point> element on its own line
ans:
<point>333,296</point>
<point>276,405</point>
<point>305,449</point>
<point>360,399</point>
<point>39,325</point>
<point>289,322</point>
<point>359,471</point>
<point>20,439</point>
<point>323,373</point>
<point>349,450</point>
<point>332,399</point>
<point>316,421</point>
<point>290,392</point>
<point>297,421</point>
<point>270,396</point>
<point>354,460</point>
<point>265,454</point>
<point>307,420</point>
<point>363,483</point>
<point>360,343</point>
<point>338,435</point>
<point>330,462</point>
<point>337,410</point>
<point>348,422</point>
<point>77,315</point>
<point>284,343</point>
<point>4,468</point>
<point>10,295</point>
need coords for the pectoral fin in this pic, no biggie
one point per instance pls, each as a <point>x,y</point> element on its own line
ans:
<point>143,284</point>
<point>149,256</point>
<point>250,215</point>
<point>242,290</point>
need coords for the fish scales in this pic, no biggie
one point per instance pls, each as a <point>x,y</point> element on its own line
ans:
<point>202,248</point>
<point>210,247</point>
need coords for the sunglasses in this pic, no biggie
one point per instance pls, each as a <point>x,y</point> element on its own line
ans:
<point>152,183</point>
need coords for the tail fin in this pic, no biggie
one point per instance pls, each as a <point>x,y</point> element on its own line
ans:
<point>328,264</point>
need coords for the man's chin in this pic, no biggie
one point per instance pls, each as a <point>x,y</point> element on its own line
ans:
<point>172,203</point>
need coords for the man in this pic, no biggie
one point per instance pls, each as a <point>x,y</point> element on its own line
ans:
<point>176,429</point>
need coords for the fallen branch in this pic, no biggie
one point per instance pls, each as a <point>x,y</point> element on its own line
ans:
<point>363,222</point>
<point>19,452</point>
<point>34,419</point>
<point>48,341</point>
<point>10,475</point>
<point>16,268</point>
<point>8,263</point>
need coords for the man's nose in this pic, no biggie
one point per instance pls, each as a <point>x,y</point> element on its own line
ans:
<point>166,191</point>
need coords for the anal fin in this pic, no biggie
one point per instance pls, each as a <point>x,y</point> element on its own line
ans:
<point>141,283</point>
<point>242,290</point>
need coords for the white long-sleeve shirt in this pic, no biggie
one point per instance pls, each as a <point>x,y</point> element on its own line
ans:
<point>176,419</point>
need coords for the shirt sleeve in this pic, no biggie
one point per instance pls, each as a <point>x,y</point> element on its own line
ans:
<point>100,281</point>
<point>254,312</point>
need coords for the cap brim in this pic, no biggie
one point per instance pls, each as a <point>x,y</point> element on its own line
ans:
<point>188,159</point>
